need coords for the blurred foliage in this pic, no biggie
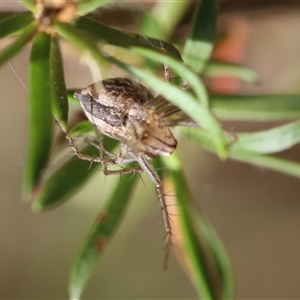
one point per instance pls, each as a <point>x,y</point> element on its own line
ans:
<point>46,22</point>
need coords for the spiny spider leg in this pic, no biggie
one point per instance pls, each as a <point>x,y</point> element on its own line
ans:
<point>126,111</point>
<point>79,154</point>
<point>148,168</point>
<point>100,147</point>
<point>167,73</point>
<point>105,162</point>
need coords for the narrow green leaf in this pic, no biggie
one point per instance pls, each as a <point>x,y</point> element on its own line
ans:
<point>270,141</point>
<point>67,179</point>
<point>209,267</point>
<point>81,40</point>
<point>98,238</point>
<point>82,128</point>
<point>220,257</point>
<point>87,6</point>
<point>16,46</point>
<point>162,19</point>
<point>29,4</point>
<point>182,70</point>
<point>14,23</point>
<point>160,46</point>
<point>72,98</point>
<point>197,49</point>
<point>183,99</point>
<point>64,182</point>
<point>256,107</point>
<point>60,104</point>
<point>271,162</point>
<point>150,26</point>
<point>115,37</point>
<point>215,69</point>
<point>40,117</point>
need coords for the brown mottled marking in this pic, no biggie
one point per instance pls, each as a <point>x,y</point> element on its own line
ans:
<point>101,217</point>
<point>100,243</point>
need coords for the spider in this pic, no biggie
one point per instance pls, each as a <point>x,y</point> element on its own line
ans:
<point>126,111</point>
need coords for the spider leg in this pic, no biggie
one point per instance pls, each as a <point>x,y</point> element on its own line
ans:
<point>79,154</point>
<point>184,121</point>
<point>148,168</point>
<point>106,161</point>
<point>167,73</point>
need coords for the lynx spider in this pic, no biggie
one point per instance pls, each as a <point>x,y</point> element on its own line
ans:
<point>126,111</point>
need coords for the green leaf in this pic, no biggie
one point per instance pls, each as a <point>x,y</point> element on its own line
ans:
<point>16,46</point>
<point>65,181</point>
<point>102,230</point>
<point>29,4</point>
<point>72,98</point>
<point>183,99</point>
<point>182,70</point>
<point>101,32</point>
<point>163,18</point>
<point>215,69</point>
<point>82,128</point>
<point>220,257</point>
<point>87,6</point>
<point>197,49</point>
<point>40,116</point>
<point>271,140</point>
<point>208,263</point>
<point>81,40</point>
<point>60,104</point>
<point>256,107</point>
<point>271,162</point>
<point>14,23</point>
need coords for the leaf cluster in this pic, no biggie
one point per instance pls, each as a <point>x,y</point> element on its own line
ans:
<point>49,101</point>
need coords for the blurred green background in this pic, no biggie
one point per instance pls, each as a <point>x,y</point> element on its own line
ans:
<point>254,211</point>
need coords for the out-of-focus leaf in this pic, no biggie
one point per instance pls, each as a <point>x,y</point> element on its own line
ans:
<point>60,104</point>
<point>72,98</point>
<point>11,50</point>
<point>81,40</point>
<point>215,69</point>
<point>67,179</point>
<point>64,182</point>
<point>273,163</point>
<point>87,6</point>
<point>29,4</point>
<point>98,238</point>
<point>163,17</point>
<point>182,70</point>
<point>14,23</point>
<point>82,128</point>
<point>270,141</point>
<point>154,44</point>
<point>183,99</point>
<point>112,36</point>
<point>220,257</point>
<point>203,255</point>
<point>40,116</point>
<point>256,107</point>
<point>197,49</point>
